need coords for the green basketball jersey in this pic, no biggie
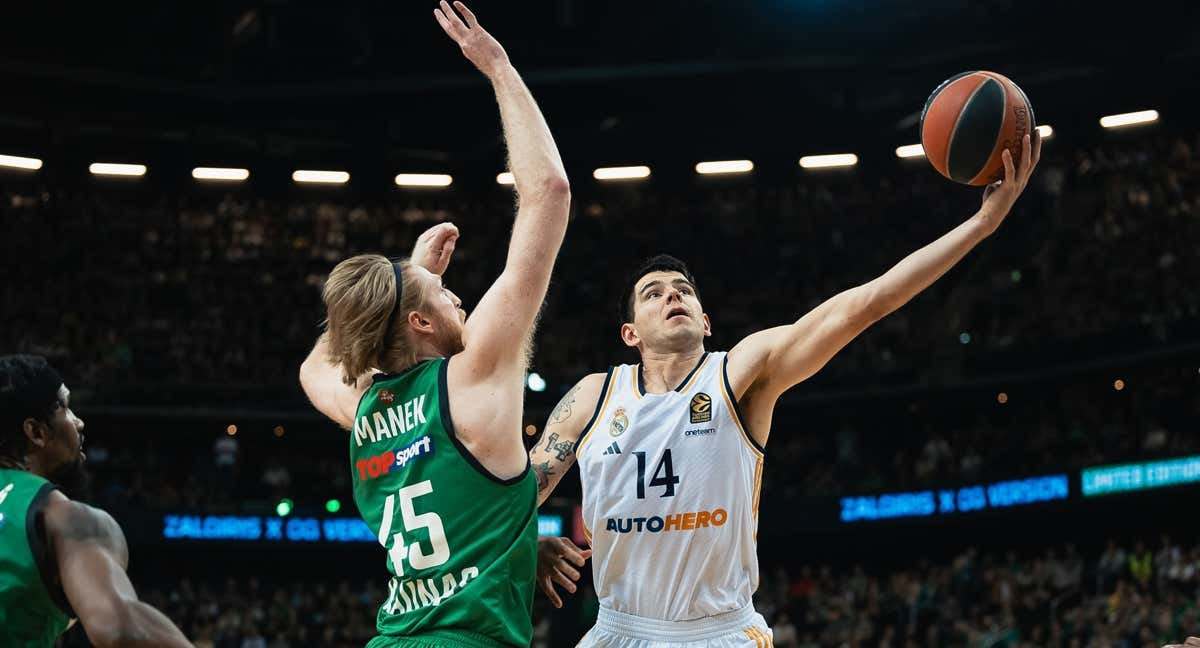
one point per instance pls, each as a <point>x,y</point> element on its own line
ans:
<point>461,544</point>
<point>30,616</point>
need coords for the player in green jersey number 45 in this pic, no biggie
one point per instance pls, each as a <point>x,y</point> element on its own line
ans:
<point>433,398</point>
<point>59,559</point>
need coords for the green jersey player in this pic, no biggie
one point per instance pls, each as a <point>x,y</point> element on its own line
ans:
<point>433,399</point>
<point>60,560</point>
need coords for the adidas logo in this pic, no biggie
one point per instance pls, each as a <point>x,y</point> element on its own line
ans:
<point>612,449</point>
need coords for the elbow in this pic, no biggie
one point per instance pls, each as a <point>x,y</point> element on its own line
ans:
<point>109,632</point>
<point>305,374</point>
<point>551,189</point>
<point>557,187</point>
<point>875,304</point>
<point>873,312</point>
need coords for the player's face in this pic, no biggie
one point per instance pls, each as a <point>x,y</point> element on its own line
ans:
<point>60,447</point>
<point>445,312</point>
<point>667,315</point>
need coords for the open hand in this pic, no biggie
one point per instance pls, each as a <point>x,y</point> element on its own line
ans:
<point>555,559</point>
<point>999,197</point>
<point>434,248</point>
<point>477,45</point>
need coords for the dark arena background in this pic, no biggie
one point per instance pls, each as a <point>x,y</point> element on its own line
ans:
<point>1011,459</point>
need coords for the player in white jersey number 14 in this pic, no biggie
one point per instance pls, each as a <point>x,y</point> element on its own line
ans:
<point>670,449</point>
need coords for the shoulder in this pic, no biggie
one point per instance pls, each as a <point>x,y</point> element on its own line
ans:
<point>577,405</point>
<point>593,382</point>
<point>69,521</point>
<point>587,391</point>
<point>745,362</point>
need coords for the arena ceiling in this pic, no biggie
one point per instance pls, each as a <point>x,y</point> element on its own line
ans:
<point>618,79</point>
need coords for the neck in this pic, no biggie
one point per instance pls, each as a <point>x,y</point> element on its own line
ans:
<point>422,353</point>
<point>662,372</point>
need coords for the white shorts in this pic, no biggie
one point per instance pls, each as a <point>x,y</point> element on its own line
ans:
<point>742,628</point>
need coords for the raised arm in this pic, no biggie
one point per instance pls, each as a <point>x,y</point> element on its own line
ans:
<point>497,333</point>
<point>321,378</point>
<point>769,362</point>
<point>554,454</point>
<point>91,555</point>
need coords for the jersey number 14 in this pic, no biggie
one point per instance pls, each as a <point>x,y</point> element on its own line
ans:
<point>664,475</point>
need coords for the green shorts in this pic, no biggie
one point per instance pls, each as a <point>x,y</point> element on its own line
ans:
<point>438,639</point>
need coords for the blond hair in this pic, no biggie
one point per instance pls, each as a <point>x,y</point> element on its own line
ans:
<point>366,329</point>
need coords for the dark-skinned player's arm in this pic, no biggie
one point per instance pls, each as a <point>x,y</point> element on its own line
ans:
<point>91,555</point>
<point>321,377</point>
<point>767,363</point>
<point>551,457</point>
<point>496,337</point>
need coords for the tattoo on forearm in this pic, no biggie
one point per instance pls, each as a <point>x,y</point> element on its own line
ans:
<point>561,449</point>
<point>563,409</point>
<point>543,472</point>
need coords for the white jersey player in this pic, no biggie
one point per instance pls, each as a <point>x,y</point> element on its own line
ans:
<point>670,449</point>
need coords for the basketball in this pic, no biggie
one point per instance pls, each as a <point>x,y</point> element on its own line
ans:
<point>967,123</point>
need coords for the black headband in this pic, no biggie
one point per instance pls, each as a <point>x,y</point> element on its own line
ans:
<point>36,395</point>
<point>399,294</point>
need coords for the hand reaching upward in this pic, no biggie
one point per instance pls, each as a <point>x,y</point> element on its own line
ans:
<point>477,45</point>
<point>435,247</point>
<point>999,197</point>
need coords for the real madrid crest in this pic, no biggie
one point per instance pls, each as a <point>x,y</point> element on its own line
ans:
<point>620,423</point>
<point>701,408</point>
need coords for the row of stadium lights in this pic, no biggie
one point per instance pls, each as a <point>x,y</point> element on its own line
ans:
<point>721,167</point>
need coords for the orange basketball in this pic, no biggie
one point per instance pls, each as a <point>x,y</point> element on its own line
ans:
<point>967,123</point>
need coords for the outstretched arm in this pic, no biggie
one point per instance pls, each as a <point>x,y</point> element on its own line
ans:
<point>321,378</point>
<point>770,362</point>
<point>497,332</point>
<point>92,556</point>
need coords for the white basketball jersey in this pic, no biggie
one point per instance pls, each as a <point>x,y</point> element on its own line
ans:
<point>670,496</point>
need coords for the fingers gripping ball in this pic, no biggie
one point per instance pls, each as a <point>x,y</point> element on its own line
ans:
<point>967,123</point>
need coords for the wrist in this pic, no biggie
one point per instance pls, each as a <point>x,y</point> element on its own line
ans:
<point>502,73</point>
<point>984,223</point>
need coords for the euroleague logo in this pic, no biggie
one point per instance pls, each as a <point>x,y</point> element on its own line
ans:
<point>701,408</point>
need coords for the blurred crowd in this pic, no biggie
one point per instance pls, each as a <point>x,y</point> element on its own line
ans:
<point>130,288</point>
<point>198,297</point>
<point>1129,595</point>
<point>862,444</point>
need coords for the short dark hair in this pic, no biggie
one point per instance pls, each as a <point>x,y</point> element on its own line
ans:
<point>24,379</point>
<point>658,263</point>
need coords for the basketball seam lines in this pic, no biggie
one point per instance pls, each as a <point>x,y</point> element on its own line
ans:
<point>958,119</point>
<point>1000,129</point>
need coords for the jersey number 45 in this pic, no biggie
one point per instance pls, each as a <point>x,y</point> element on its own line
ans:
<point>411,521</point>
